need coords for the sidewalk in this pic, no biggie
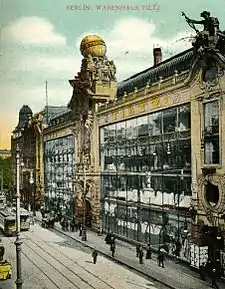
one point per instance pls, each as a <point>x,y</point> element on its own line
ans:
<point>176,276</point>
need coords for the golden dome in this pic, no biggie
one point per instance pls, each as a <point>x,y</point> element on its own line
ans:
<point>93,45</point>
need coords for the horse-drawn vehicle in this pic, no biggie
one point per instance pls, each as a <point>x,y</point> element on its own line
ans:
<point>5,270</point>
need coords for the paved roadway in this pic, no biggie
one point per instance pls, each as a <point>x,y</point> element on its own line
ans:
<point>52,261</point>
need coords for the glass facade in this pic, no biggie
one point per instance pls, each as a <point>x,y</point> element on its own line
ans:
<point>146,177</point>
<point>59,161</point>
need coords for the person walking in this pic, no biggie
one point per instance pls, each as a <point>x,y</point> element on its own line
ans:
<point>2,250</point>
<point>113,249</point>
<point>202,271</point>
<point>95,256</point>
<point>72,225</point>
<point>149,252</point>
<point>141,255</point>
<point>161,259</point>
<point>80,230</point>
<point>178,247</point>
<point>137,250</point>
<point>214,278</point>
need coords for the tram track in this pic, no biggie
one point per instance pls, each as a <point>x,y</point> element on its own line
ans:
<point>72,261</point>
<point>40,269</point>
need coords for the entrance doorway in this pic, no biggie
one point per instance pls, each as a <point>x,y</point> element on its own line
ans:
<point>213,238</point>
<point>88,220</point>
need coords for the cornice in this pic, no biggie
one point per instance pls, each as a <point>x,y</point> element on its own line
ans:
<point>145,94</point>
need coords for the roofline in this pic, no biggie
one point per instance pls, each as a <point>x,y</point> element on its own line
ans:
<point>161,63</point>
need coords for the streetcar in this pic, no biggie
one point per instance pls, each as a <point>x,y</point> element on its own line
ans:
<point>2,201</point>
<point>24,219</point>
<point>7,222</point>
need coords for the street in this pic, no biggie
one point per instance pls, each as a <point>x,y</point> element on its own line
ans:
<point>50,261</point>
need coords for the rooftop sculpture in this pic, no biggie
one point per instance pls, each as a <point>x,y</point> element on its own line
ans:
<point>211,37</point>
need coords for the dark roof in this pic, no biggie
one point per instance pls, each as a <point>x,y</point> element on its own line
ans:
<point>61,117</point>
<point>165,69</point>
<point>52,111</point>
<point>24,115</point>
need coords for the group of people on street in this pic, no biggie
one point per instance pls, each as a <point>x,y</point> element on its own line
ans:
<point>212,270</point>
<point>110,239</point>
<point>140,254</point>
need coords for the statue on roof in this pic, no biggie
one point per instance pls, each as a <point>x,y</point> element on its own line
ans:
<point>211,33</point>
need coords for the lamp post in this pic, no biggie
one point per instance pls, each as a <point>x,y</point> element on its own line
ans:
<point>18,242</point>
<point>31,183</point>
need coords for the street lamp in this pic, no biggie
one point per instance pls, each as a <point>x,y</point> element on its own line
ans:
<point>31,183</point>
<point>18,242</point>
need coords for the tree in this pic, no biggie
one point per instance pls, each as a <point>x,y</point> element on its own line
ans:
<point>6,168</point>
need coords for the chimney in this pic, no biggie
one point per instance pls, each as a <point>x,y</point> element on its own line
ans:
<point>157,53</point>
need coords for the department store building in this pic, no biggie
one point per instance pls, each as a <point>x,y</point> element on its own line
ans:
<point>161,154</point>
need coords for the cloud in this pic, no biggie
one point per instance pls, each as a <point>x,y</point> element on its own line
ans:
<point>48,63</point>
<point>130,44</point>
<point>33,30</point>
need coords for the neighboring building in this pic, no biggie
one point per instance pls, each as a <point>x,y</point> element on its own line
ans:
<point>28,136</point>
<point>17,141</point>
<point>5,154</point>
<point>71,163</point>
<point>59,164</point>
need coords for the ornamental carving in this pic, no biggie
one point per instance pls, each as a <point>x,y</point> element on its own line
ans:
<point>210,76</point>
<point>216,180</point>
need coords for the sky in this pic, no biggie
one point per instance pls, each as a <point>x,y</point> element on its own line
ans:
<point>40,41</point>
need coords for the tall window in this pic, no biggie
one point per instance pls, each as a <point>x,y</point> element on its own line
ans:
<point>211,133</point>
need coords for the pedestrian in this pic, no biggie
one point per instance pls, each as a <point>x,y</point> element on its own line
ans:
<point>94,256</point>
<point>141,255</point>
<point>72,225</point>
<point>80,230</point>
<point>149,252</point>
<point>108,238</point>
<point>137,250</point>
<point>202,271</point>
<point>2,250</point>
<point>177,250</point>
<point>161,259</point>
<point>66,224</point>
<point>98,231</point>
<point>113,249</point>
<point>214,279</point>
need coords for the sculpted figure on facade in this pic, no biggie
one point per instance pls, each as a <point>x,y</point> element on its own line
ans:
<point>211,37</point>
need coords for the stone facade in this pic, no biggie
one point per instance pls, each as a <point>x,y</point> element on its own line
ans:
<point>208,210</point>
<point>94,84</point>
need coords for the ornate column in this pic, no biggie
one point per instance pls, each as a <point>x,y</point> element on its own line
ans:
<point>94,84</point>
